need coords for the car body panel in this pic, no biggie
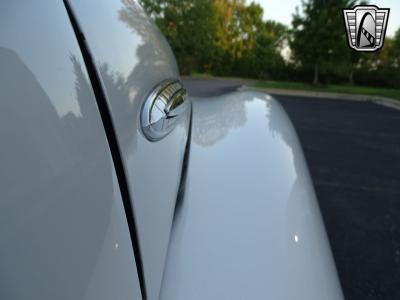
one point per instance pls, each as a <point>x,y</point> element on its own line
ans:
<point>133,58</point>
<point>249,226</point>
<point>63,229</point>
<point>246,226</point>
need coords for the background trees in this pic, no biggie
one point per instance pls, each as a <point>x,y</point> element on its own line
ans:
<point>230,38</point>
<point>190,27</point>
<point>319,40</point>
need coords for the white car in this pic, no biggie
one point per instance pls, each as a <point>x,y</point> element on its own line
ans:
<point>116,185</point>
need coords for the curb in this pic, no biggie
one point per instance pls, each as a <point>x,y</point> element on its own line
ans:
<point>388,102</point>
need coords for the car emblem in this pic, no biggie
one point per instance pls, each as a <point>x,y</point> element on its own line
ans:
<point>162,109</point>
<point>366,27</point>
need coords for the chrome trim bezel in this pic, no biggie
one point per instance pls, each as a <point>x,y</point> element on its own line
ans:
<point>171,95</point>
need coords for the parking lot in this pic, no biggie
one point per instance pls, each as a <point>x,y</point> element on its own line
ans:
<point>353,152</point>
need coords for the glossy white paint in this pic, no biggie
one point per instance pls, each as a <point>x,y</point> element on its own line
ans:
<point>249,226</point>
<point>63,230</point>
<point>133,58</point>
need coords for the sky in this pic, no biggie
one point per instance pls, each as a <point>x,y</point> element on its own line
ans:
<point>282,10</point>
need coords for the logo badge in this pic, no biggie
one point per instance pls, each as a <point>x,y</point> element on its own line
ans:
<point>163,108</point>
<point>366,27</point>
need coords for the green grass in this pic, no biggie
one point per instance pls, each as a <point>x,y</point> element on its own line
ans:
<point>345,89</point>
<point>334,88</point>
<point>200,75</point>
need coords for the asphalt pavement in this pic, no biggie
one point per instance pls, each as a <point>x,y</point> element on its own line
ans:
<point>353,152</point>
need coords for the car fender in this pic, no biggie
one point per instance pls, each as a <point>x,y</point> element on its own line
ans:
<point>248,226</point>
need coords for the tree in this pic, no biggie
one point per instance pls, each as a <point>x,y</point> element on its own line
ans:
<point>267,61</point>
<point>219,36</point>
<point>237,28</point>
<point>189,26</point>
<point>395,50</point>
<point>319,40</point>
<point>249,46</point>
<point>224,37</point>
<point>382,68</point>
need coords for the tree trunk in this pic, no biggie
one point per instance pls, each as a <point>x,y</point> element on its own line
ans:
<point>316,74</point>
<point>351,77</point>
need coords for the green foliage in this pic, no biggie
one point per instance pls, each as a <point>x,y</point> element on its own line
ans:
<point>334,88</point>
<point>230,38</point>
<point>189,26</point>
<point>381,68</point>
<point>319,39</point>
<point>223,37</point>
